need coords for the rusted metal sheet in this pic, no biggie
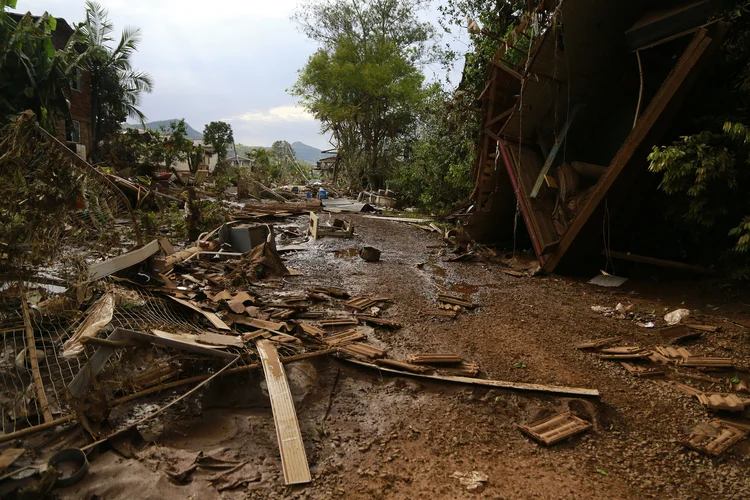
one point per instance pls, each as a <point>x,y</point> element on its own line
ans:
<point>293,457</point>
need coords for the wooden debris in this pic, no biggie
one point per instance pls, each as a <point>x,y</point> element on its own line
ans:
<point>716,401</point>
<point>363,350</point>
<point>636,353</point>
<point>345,337</point>
<point>463,370</point>
<point>673,352</point>
<point>556,428</point>
<point>41,394</point>
<point>238,302</point>
<point>378,321</point>
<point>211,317</point>
<point>339,228</point>
<point>434,359</point>
<point>678,333</point>
<point>400,365</point>
<point>686,389</point>
<point>704,328</point>
<point>450,299</point>
<point>642,371</point>
<point>707,362</point>
<point>447,313</point>
<point>8,456</point>
<point>260,324</point>
<point>362,303</point>
<point>713,438</point>
<point>596,344</point>
<point>98,316</point>
<point>622,350</point>
<point>293,457</point>
<point>328,323</point>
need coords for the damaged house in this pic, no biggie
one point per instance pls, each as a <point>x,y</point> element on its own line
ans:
<point>568,123</point>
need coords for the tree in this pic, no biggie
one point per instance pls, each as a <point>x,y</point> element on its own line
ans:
<point>283,156</point>
<point>219,135</point>
<point>116,88</point>
<point>363,82</point>
<point>34,75</point>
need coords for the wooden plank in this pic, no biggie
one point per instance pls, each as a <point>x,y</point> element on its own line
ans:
<point>515,386</point>
<point>293,457</point>
<point>514,74</point>
<point>213,318</point>
<point>41,394</point>
<point>124,261</point>
<point>696,52</point>
<point>553,152</point>
<point>499,117</point>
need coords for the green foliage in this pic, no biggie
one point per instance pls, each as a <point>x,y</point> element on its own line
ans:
<point>116,88</point>
<point>363,82</point>
<point>219,135</point>
<point>34,75</point>
<point>437,173</point>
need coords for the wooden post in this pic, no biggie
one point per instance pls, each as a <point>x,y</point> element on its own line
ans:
<point>41,395</point>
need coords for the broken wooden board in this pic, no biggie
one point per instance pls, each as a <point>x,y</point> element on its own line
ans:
<point>674,353</point>
<point>8,456</point>
<point>707,362</point>
<point>556,428</point>
<point>642,371</point>
<point>124,261</point>
<point>339,229</point>
<point>238,302</point>
<point>260,324</point>
<point>704,328</point>
<point>686,389</point>
<point>401,365</point>
<point>462,370</point>
<point>362,350</point>
<point>596,344</point>
<point>434,359</point>
<point>458,301</point>
<point>398,219</point>
<point>622,350</point>
<point>499,384</point>
<point>311,329</point>
<point>211,317</point>
<point>716,401</point>
<point>635,355</point>
<point>345,337</point>
<point>293,457</point>
<point>678,333</point>
<point>378,321</point>
<point>713,438</point>
<point>333,292</point>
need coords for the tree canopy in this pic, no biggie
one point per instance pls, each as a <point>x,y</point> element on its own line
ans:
<point>219,135</point>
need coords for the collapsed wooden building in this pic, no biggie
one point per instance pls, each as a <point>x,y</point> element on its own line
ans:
<point>574,102</point>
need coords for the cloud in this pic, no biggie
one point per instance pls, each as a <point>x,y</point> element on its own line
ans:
<point>277,114</point>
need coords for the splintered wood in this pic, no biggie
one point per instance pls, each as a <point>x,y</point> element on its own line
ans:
<point>456,301</point>
<point>713,438</point>
<point>555,428</point>
<point>293,457</point>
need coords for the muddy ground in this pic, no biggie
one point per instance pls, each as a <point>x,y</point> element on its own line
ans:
<point>370,435</point>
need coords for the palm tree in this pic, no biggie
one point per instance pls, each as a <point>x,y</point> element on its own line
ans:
<point>116,87</point>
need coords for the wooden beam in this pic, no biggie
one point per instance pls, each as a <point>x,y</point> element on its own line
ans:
<point>671,264</point>
<point>553,152</point>
<point>499,117</point>
<point>516,386</point>
<point>111,266</point>
<point>293,457</point>
<point>41,394</point>
<point>696,51</point>
<point>511,72</point>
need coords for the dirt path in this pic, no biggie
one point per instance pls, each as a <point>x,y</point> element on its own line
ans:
<point>373,436</point>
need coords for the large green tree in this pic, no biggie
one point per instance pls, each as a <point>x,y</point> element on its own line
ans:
<point>364,81</point>
<point>33,75</point>
<point>219,135</point>
<point>116,87</point>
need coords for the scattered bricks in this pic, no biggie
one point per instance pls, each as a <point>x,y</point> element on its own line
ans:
<point>554,429</point>
<point>345,337</point>
<point>361,350</point>
<point>675,353</point>
<point>377,321</point>
<point>707,362</point>
<point>328,323</point>
<point>713,438</point>
<point>716,401</point>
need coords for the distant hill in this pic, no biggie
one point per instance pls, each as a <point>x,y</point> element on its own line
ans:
<point>301,150</point>
<point>191,132</point>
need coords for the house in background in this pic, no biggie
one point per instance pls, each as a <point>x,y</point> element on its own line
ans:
<point>78,135</point>
<point>210,159</point>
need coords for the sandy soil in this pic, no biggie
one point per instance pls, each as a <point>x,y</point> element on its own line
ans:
<point>370,435</point>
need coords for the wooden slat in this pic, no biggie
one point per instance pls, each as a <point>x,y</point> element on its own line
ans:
<point>553,152</point>
<point>293,457</point>
<point>211,317</point>
<point>111,266</point>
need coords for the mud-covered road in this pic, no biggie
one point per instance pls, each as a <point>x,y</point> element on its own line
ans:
<point>369,435</point>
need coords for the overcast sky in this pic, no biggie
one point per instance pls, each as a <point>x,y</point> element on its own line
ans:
<point>229,60</point>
